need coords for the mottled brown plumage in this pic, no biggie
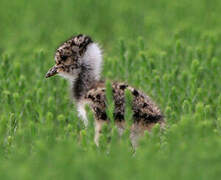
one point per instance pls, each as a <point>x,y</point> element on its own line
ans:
<point>144,110</point>
<point>79,60</point>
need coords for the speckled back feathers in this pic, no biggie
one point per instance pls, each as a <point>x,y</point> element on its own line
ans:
<point>144,109</point>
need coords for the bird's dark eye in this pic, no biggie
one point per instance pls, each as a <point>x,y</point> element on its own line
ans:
<point>64,57</point>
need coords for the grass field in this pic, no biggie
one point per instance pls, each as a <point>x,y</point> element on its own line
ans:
<point>169,49</point>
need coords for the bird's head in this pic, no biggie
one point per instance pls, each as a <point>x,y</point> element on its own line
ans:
<point>69,57</point>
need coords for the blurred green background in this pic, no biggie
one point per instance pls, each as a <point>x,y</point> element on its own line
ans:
<point>45,23</point>
<point>169,49</point>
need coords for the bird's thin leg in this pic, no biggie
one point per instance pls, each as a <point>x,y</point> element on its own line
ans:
<point>98,130</point>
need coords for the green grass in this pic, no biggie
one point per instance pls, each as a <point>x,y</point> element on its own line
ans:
<point>169,49</point>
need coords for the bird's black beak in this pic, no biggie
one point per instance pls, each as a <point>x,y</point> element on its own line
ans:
<point>51,72</point>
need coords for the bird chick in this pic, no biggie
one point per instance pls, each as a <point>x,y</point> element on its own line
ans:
<point>79,60</point>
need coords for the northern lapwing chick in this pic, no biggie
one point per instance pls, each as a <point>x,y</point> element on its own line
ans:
<point>79,60</point>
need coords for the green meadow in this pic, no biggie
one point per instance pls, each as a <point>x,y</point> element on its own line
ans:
<point>171,50</point>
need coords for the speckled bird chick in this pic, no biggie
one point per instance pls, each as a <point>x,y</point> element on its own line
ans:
<point>79,60</point>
